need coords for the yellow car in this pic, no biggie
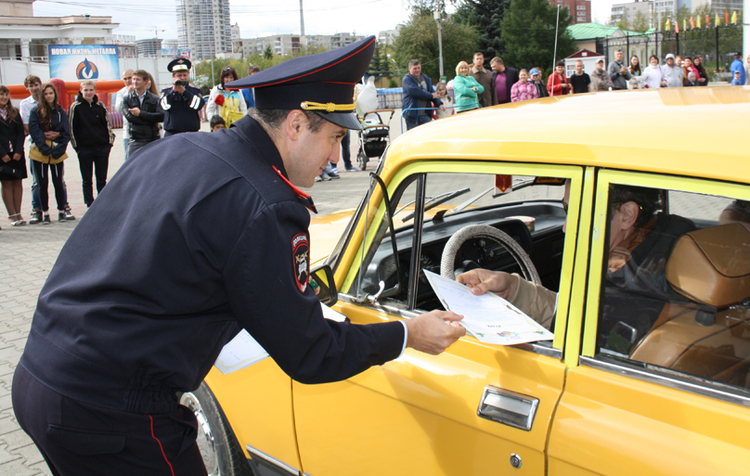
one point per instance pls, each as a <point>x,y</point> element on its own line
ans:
<point>627,215</point>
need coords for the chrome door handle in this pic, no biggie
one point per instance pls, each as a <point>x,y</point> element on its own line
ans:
<point>509,408</point>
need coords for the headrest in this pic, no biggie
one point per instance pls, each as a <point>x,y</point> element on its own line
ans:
<point>712,266</point>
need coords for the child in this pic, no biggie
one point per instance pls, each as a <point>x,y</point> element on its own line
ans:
<point>736,80</point>
<point>691,80</point>
<point>443,95</point>
<point>217,123</point>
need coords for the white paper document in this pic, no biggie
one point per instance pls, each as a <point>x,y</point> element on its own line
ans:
<point>240,352</point>
<point>488,317</point>
<point>243,351</point>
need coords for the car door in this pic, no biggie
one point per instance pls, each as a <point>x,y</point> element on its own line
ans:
<point>475,409</point>
<point>673,398</point>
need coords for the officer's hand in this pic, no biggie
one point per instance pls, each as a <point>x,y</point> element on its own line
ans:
<point>179,89</point>
<point>5,158</point>
<point>16,156</point>
<point>434,332</point>
<point>484,280</point>
<point>135,111</point>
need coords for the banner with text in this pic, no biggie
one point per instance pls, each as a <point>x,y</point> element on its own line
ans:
<point>81,62</point>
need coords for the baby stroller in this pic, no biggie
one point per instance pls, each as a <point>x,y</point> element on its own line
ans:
<point>374,136</point>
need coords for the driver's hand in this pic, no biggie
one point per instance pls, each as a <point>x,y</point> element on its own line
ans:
<point>484,280</point>
<point>434,331</point>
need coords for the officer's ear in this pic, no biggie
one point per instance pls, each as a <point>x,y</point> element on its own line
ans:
<point>296,122</point>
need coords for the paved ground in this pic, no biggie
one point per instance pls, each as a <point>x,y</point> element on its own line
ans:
<point>27,255</point>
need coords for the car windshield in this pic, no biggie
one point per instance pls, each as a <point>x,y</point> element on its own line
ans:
<point>460,193</point>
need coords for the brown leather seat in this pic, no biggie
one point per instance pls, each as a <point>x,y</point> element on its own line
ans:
<point>709,337</point>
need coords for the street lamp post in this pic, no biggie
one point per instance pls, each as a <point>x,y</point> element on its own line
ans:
<point>440,42</point>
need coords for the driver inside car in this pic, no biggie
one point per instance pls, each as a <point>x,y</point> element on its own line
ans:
<point>640,241</point>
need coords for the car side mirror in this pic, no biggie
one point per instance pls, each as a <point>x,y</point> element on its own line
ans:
<point>322,282</point>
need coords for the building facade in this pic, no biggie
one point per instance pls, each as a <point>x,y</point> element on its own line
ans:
<point>204,27</point>
<point>26,38</point>
<point>629,11</point>
<point>579,10</point>
<point>149,47</point>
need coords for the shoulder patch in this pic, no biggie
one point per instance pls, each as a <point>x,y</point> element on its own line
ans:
<point>301,260</point>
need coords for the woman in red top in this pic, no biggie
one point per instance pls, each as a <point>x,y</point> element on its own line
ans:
<point>557,83</point>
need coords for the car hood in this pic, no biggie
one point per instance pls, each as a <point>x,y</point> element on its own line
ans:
<point>325,232</point>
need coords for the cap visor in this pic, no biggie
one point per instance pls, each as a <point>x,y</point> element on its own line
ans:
<point>343,119</point>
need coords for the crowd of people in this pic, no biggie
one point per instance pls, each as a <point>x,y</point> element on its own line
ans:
<point>475,86</point>
<point>41,129</point>
<point>150,114</point>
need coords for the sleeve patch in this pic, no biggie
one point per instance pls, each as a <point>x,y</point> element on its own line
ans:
<point>301,260</point>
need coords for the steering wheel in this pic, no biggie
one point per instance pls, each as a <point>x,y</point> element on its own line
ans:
<point>474,232</point>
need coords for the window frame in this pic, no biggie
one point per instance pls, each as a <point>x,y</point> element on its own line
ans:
<point>588,349</point>
<point>354,248</point>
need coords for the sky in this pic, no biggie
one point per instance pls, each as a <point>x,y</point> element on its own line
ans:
<point>258,18</point>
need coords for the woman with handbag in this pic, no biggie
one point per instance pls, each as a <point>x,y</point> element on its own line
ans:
<point>49,129</point>
<point>12,163</point>
<point>228,104</point>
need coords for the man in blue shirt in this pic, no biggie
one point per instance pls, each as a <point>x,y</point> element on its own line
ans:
<point>738,67</point>
<point>418,96</point>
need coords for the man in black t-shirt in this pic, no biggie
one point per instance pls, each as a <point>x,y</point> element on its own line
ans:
<point>581,81</point>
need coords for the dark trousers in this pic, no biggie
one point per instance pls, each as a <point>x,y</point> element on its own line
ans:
<point>137,144</point>
<point>90,160</point>
<point>421,119</point>
<point>43,173</point>
<point>78,439</point>
<point>346,152</point>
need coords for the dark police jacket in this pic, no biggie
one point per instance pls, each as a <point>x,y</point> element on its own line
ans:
<point>181,111</point>
<point>145,126</point>
<point>170,261</point>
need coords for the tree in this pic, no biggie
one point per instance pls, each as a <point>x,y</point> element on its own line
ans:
<point>418,40</point>
<point>640,23</point>
<point>623,24</point>
<point>528,33</point>
<point>487,15</point>
<point>268,54</point>
<point>380,66</point>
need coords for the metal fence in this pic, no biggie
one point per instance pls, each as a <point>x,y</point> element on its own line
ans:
<point>717,45</point>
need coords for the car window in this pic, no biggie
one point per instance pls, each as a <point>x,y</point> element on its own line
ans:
<point>675,292</point>
<point>530,212</point>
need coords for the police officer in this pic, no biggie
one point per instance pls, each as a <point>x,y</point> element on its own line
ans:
<point>181,103</point>
<point>142,298</point>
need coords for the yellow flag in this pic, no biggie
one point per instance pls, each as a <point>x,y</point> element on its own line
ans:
<point>684,24</point>
<point>667,24</point>
<point>718,20</point>
<point>699,21</point>
<point>734,17</point>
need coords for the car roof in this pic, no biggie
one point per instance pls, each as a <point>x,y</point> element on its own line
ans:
<point>695,131</point>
